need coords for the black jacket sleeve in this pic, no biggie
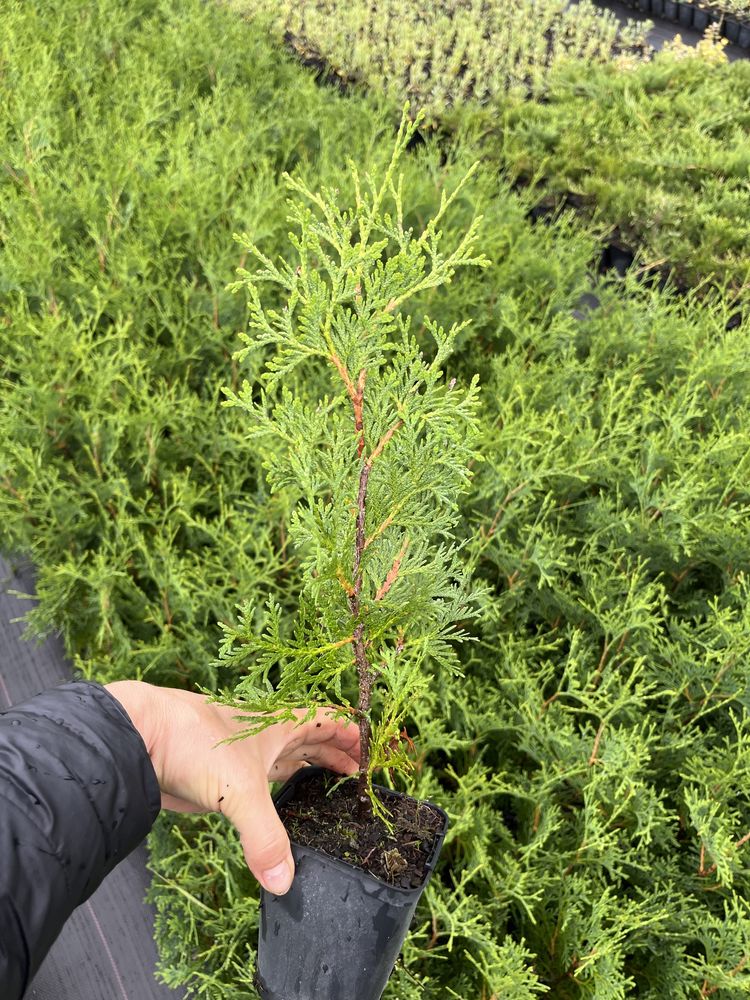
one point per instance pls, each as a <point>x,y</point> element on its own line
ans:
<point>78,792</point>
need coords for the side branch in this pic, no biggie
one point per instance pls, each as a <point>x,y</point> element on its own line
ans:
<point>359,424</point>
<point>709,871</point>
<point>345,376</point>
<point>386,523</point>
<point>392,574</point>
<point>384,441</point>
<point>356,395</point>
<point>594,759</point>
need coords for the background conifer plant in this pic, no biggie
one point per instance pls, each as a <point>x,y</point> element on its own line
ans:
<point>594,755</point>
<point>375,464</point>
<point>659,154</point>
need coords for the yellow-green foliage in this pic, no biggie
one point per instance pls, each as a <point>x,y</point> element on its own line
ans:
<point>445,52</point>
<point>662,153</point>
<point>594,759</point>
<point>733,7</point>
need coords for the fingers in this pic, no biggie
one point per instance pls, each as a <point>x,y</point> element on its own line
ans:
<point>284,769</point>
<point>264,840</point>
<point>341,733</point>
<point>325,755</point>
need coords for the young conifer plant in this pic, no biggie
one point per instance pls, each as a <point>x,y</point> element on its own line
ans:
<point>372,465</point>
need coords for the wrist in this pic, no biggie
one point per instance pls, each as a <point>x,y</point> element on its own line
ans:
<point>133,697</point>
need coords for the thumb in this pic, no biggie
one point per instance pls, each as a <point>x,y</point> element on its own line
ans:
<point>264,840</point>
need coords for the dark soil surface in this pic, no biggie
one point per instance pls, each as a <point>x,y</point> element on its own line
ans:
<point>332,823</point>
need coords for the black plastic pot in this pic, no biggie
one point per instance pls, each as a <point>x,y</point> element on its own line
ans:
<point>701,18</point>
<point>671,10</point>
<point>644,5</point>
<point>685,15</point>
<point>657,8</point>
<point>616,258</point>
<point>744,36</point>
<point>337,933</point>
<point>732,29</point>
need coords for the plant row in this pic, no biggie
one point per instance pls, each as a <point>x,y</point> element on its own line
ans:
<point>655,153</point>
<point>732,17</point>
<point>440,55</point>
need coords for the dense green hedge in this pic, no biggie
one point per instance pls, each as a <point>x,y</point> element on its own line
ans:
<point>136,139</point>
<point>594,759</point>
<point>661,152</point>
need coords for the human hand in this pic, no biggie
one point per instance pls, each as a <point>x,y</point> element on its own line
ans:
<point>197,773</point>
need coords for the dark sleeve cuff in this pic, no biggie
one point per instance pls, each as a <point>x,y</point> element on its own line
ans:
<point>78,793</point>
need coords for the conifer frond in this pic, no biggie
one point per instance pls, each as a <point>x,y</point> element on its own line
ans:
<point>377,467</point>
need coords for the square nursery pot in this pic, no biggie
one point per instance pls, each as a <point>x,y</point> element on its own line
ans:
<point>657,8</point>
<point>337,933</point>
<point>671,10</point>
<point>744,36</point>
<point>732,29</point>
<point>701,18</point>
<point>644,5</point>
<point>685,15</point>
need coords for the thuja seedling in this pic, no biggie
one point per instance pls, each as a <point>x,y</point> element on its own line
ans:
<point>369,438</point>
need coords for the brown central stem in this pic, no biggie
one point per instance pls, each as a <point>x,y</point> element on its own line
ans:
<point>364,671</point>
<point>363,711</point>
<point>359,641</point>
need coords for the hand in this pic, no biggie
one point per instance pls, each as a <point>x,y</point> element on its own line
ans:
<point>196,773</point>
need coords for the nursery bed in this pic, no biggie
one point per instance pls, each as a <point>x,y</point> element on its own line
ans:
<point>608,522</point>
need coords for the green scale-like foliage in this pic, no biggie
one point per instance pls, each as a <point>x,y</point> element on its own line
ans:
<point>655,149</point>
<point>133,147</point>
<point>661,153</point>
<point>373,471</point>
<point>593,757</point>
<point>613,531</point>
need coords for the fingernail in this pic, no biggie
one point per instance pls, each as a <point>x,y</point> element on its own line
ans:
<point>277,879</point>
